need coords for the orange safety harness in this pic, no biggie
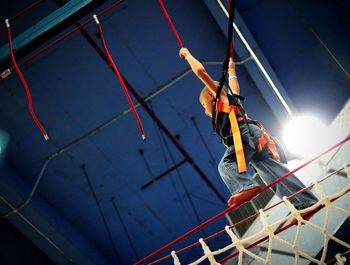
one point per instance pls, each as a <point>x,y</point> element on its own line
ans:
<point>265,139</point>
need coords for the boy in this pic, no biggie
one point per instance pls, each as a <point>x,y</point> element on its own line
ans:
<point>247,143</point>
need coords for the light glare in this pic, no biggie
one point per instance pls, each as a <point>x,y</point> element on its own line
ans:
<point>305,135</point>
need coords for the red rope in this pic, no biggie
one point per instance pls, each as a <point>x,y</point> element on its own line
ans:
<point>116,71</point>
<point>171,24</point>
<point>29,96</point>
<point>231,49</point>
<point>231,44</point>
<point>231,208</point>
<point>25,10</point>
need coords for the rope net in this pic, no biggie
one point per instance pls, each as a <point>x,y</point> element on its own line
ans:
<point>289,232</point>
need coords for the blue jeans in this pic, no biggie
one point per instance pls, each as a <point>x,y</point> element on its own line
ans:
<point>267,168</point>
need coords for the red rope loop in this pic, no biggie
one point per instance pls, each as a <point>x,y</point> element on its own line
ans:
<point>29,96</point>
<point>116,71</point>
<point>171,24</point>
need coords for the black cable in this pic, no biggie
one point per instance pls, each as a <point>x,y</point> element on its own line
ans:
<point>162,143</point>
<point>115,206</point>
<point>213,160</point>
<point>101,212</point>
<point>141,152</point>
<point>187,193</point>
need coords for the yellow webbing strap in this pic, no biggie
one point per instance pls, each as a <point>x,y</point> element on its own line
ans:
<point>237,140</point>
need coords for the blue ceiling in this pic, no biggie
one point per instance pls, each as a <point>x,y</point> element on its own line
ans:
<point>304,44</point>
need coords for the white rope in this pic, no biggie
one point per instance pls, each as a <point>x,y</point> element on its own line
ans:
<point>340,259</point>
<point>239,245</point>
<point>347,170</point>
<point>268,230</point>
<point>176,259</point>
<point>208,253</point>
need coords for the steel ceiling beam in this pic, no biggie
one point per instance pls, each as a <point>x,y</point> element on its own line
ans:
<point>47,28</point>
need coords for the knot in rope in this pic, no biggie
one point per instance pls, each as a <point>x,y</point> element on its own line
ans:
<point>236,242</point>
<point>267,228</point>
<point>208,253</point>
<point>295,249</point>
<point>326,233</point>
<point>340,259</point>
<point>294,212</point>
<point>319,190</point>
<point>176,259</point>
<point>347,170</point>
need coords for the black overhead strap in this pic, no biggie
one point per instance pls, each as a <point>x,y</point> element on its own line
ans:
<point>228,53</point>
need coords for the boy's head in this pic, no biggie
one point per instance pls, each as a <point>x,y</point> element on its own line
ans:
<point>206,98</point>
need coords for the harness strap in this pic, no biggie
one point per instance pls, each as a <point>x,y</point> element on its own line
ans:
<point>221,107</point>
<point>266,139</point>
<point>236,133</point>
<point>229,51</point>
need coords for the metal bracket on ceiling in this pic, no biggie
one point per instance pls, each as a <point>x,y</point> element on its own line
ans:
<point>5,74</point>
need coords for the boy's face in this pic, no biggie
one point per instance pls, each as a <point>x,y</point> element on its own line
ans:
<point>206,99</point>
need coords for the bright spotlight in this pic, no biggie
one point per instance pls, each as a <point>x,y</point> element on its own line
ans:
<point>305,136</point>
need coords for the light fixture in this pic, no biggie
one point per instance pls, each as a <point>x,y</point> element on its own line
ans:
<point>305,136</point>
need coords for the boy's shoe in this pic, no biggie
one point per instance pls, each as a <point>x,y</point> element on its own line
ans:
<point>237,199</point>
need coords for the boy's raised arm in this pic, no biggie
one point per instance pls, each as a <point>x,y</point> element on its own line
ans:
<point>232,77</point>
<point>199,70</point>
